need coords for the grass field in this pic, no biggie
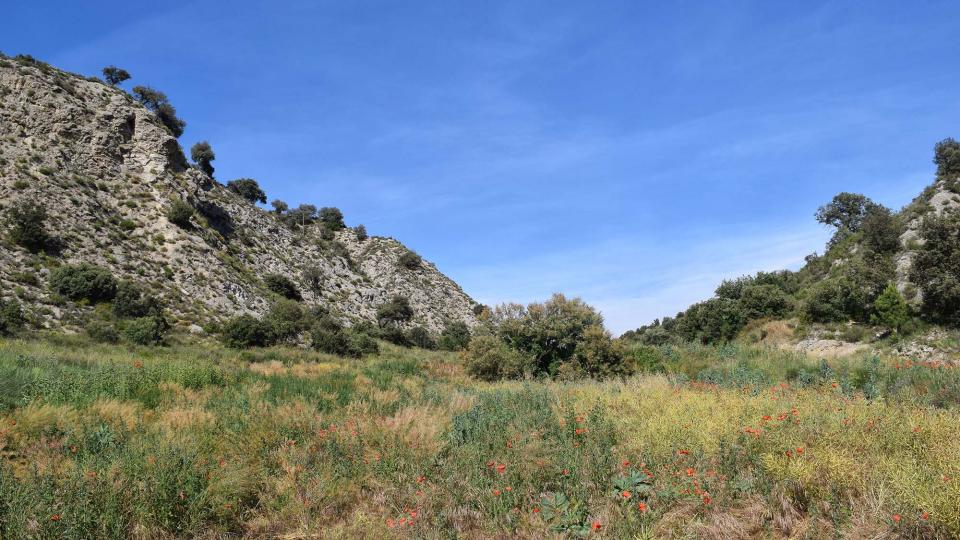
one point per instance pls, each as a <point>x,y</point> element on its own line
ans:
<point>730,442</point>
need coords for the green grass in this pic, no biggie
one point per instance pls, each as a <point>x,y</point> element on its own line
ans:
<point>105,441</point>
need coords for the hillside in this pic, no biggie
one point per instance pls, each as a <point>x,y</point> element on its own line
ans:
<point>884,274</point>
<point>108,170</point>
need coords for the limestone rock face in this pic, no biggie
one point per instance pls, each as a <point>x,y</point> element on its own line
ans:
<point>937,200</point>
<point>107,171</point>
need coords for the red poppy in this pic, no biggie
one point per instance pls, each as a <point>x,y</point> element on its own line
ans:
<point>799,449</point>
<point>925,516</point>
<point>626,494</point>
<point>625,463</point>
<point>501,467</point>
<point>536,510</point>
<point>690,471</point>
<point>55,517</point>
<point>390,523</point>
<point>897,518</point>
<point>642,507</point>
<point>496,491</point>
<point>706,499</point>
<point>682,452</point>
<point>596,526</point>
<point>566,472</point>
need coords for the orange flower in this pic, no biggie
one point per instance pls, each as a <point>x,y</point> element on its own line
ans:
<point>490,464</point>
<point>706,499</point>
<point>566,472</point>
<point>596,526</point>
<point>390,523</point>
<point>501,467</point>
<point>413,513</point>
<point>690,471</point>
<point>536,510</point>
<point>91,474</point>
<point>55,517</point>
<point>138,364</point>
<point>799,449</point>
<point>625,463</point>
<point>580,431</point>
<point>421,479</point>
<point>496,491</point>
<point>682,452</point>
<point>509,488</point>
<point>626,494</point>
<point>897,518</point>
<point>642,507</point>
<point>925,516</point>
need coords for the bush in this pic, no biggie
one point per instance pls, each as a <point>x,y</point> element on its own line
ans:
<point>826,302</point>
<point>598,355</point>
<point>249,189</point>
<point>102,332</point>
<point>281,285</point>
<point>360,232</point>
<point>131,301</point>
<point>419,336</point>
<point>409,260</point>
<point>395,335</point>
<point>455,336</point>
<point>245,331</point>
<point>301,216</point>
<point>946,155</point>
<point>313,277</point>
<point>180,213</point>
<point>27,221</point>
<point>936,268</point>
<point>114,75</point>
<point>490,359</point>
<point>202,154</point>
<point>11,317</point>
<point>84,282</point>
<point>845,212</point>
<point>332,218</point>
<point>149,330</point>
<point>758,301</point>
<point>279,207</point>
<point>881,230</point>
<point>157,102</point>
<point>395,311</point>
<point>890,309</point>
<point>330,337</point>
<point>286,319</point>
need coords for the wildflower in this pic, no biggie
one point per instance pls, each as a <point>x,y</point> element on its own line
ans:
<point>596,526</point>
<point>682,452</point>
<point>706,498</point>
<point>625,463</point>
<point>767,418</point>
<point>509,488</point>
<point>536,510</point>
<point>391,523</point>
<point>413,513</point>
<point>916,429</point>
<point>580,431</point>
<point>566,472</point>
<point>73,449</point>
<point>91,474</point>
<point>626,494</point>
<point>897,518</point>
<point>496,492</point>
<point>925,516</point>
<point>691,471</point>
<point>421,479</point>
<point>490,464</point>
<point>580,419</point>
<point>642,507</point>
<point>788,453</point>
<point>55,517</point>
<point>137,364</point>
<point>501,467</point>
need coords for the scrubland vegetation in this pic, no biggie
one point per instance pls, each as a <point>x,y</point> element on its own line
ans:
<point>721,442</point>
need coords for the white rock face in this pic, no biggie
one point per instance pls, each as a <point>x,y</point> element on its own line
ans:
<point>107,170</point>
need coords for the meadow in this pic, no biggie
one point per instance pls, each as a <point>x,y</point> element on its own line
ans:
<point>735,441</point>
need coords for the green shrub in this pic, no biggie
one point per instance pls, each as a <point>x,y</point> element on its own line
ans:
<point>11,317</point>
<point>279,207</point>
<point>180,213</point>
<point>489,359</point>
<point>27,220</point>
<point>881,230</point>
<point>598,355</point>
<point>360,232</point>
<point>409,260</point>
<point>395,335</point>
<point>131,301</point>
<point>936,267</point>
<point>281,285</point>
<point>149,330</point>
<point>758,301</point>
<point>202,154</point>
<point>249,189</point>
<point>395,311</point>
<point>419,336</point>
<point>890,309</point>
<point>245,331</point>
<point>102,331</point>
<point>84,282</point>
<point>455,336</point>
<point>286,319</point>
<point>313,277</point>
<point>329,336</point>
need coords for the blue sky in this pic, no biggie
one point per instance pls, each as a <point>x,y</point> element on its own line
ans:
<point>631,153</point>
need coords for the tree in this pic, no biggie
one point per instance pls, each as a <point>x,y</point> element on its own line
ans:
<point>150,330</point>
<point>881,230</point>
<point>313,276</point>
<point>285,320</point>
<point>395,311</point>
<point>946,155</point>
<point>27,221</point>
<point>490,359</point>
<point>245,331</point>
<point>455,336</point>
<point>180,213</point>
<point>301,216</point>
<point>936,267</point>
<point>202,154</point>
<point>248,188</point>
<point>890,309</point>
<point>157,102</point>
<point>114,75</point>
<point>131,300</point>
<point>845,212</point>
<point>360,232</point>
<point>332,218</point>
<point>279,207</point>
<point>758,301</point>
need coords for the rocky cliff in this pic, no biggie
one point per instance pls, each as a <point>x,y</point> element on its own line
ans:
<point>108,170</point>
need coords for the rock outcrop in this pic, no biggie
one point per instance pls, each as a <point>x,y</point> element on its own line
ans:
<point>108,170</point>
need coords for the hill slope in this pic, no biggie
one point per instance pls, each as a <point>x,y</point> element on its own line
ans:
<point>108,170</point>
